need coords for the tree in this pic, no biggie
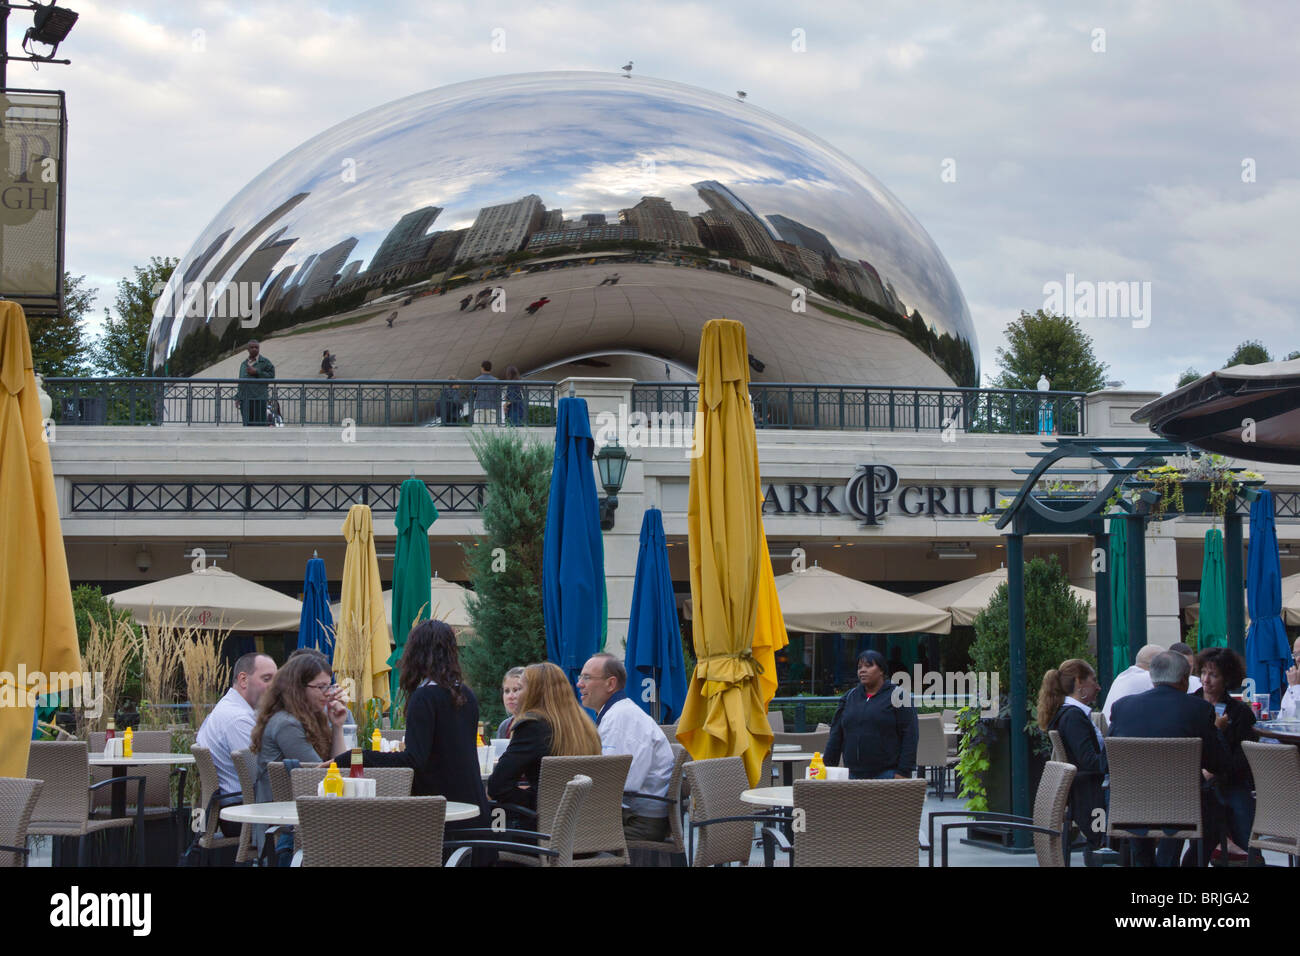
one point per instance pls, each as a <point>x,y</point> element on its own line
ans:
<point>122,350</point>
<point>1051,345</point>
<point>58,348</point>
<point>1250,352</point>
<point>1188,376</point>
<point>505,565</point>
<point>1293,356</point>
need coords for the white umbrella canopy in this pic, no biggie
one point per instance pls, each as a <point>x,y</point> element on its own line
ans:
<point>447,603</point>
<point>1290,603</point>
<point>822,602</point>
<point>212,599</point>
<point>965,599</point>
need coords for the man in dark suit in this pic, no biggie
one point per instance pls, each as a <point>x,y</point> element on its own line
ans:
<point>1167,710</point>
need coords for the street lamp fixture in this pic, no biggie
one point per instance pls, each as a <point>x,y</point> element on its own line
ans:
<point>611,462</point>
<point>50,27</point>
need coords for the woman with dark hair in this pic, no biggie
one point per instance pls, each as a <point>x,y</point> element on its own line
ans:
<point>300,717</point>
<point>441,721</point>
<point>516,407</point>
<point>875,734</point>
<point>1065,705</point>
<point>1233,806</point>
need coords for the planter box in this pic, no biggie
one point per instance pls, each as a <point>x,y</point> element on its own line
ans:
<point>997,782</point>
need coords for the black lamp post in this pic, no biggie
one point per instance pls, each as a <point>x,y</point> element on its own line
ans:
<point>611,462</point>
<point>50,27</point>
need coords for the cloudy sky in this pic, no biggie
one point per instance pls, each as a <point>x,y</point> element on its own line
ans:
<point>1134,142</point>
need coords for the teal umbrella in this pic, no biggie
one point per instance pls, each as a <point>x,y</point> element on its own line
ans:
<point>1119,595</point>
<point>411,588</point>
<point>1212,629</point>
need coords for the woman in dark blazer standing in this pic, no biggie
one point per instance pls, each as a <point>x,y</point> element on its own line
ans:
<point>1065,705</point>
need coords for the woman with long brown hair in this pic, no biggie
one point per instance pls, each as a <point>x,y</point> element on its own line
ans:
<point>1065,705</point>
<point>300,717</point>
<point>550,724</point>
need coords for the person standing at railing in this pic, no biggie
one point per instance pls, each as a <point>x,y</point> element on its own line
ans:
<point>253,395</point>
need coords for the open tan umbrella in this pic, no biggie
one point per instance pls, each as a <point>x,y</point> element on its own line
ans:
<point>447,605</point>
<point>38,632</point>
<point>823,602</point>
<point>212,599</point>
<point>965,599</point>
<point>1290,603</point>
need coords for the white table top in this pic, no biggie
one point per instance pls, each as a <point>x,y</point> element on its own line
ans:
<point>140,760</point>
<point>784,748</point>
<point>286,813</point>
<point>769,796</point>
<point>784,756</point>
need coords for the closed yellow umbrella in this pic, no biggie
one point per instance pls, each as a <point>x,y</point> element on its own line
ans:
<point>737,618</point>
<point>38,633</point>
<point>361,611</point>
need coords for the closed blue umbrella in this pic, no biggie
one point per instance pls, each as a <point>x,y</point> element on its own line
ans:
<point>654,638</point>
<point>317,624</point>
<point>573,555</point>
<point>1267,653</point>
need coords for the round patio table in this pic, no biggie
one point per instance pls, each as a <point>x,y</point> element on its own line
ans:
<point>120,765</point>
<point>769,796</point>
<point>285,813</point>
<point>1287,731</point>
<point>789,759</point>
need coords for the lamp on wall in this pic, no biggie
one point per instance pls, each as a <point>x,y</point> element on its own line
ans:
<point>611,463</point>
<point>143,560</point>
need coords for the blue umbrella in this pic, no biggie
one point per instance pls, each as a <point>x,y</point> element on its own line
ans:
<point>654,639</point>
<point>314,629</point>
<point>573,555</point>
<point>1267,653</point>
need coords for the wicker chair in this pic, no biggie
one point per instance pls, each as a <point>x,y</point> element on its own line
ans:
<point>17,800</point>
<point>675,844</point>
<point>1058,747</point>
<point>853,823</point>
<point>558,848</point>
<point>63,806</point>
<point>1048,824</point>
<point>1277,781</point>
<point>722,825</point>
<point>600,828</point>
<point>383,831</point>
<point>389,781</point>
<point>281,784</point>
<point>814,742</point>
<point>1099,719</point>
<point>157,786</point>
<point>1155,784</point>
<point>932,750</point>
<point>210,838</point>
<point>776,720</point>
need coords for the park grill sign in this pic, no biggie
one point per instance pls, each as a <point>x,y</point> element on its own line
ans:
<point>873,493</point>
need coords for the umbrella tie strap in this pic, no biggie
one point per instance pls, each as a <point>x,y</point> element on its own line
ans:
<point>747,656</point>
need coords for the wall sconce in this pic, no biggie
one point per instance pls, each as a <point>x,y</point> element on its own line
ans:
<point>143,560</point>
<point>611,463</point>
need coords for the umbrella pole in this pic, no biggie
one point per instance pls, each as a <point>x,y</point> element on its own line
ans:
<point>1234,579</point>
<point>1101,581</point>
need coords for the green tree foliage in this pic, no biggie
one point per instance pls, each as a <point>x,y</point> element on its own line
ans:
<point>121,349</point>
<point>1056,628</point>
<point>89,604</point>
<point>1051,345</point>
<point>1250,352</point>
<point>1190,375</point>
<point>1293,356</point>
<point>506,607</point>
<point>58,346</point>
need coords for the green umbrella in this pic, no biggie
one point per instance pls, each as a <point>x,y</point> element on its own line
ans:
<point>411,574</point>
<point>1119,595</point>
<point>1213,621</point>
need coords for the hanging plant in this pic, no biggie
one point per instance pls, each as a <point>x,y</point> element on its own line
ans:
<point>973,759</point>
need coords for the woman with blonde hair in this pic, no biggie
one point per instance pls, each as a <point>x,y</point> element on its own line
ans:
<point>550,724</point>
<point>1065,705</point>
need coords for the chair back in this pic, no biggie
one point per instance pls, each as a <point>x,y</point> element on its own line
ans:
<point>565,826</point>
<point>17,800</point>
<point>246,766</point>
<point>1155,781</point>
<point>1058,747</point>
<point>858,822</point>
<point>64,766</point>
<point>809,742</point>
<point>776,720</point>
<point>680,756</point>
<point>931,744</point>
<point>1049,810</point>
<point>208,786</point>
<point>1099,719</point>
<point>281,786</point>
<point>670,731</point>
<point>383,831</point>
<point>716,786</point>
<point>600,828</point>
<point>157,785</point>
<point>1277,781</point>
<point>389,781</point>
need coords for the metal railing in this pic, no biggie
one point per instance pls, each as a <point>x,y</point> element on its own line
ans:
<point>211,401</point>
<point>261,497</point>
<point>885,408</point>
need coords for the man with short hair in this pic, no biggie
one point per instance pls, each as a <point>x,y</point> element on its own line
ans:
<point>1167,710</point>
<point>253,395</point>
<point>627,729</point>
<point>1193,682</point>
<point>1133,680</point>
<point>1289,709</point>
<point>487,398</point>
<point>230,725</point>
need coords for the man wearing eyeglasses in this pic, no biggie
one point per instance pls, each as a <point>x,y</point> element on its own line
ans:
<point>1290,706</point>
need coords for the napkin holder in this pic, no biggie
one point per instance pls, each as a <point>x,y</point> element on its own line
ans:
<point>352,787</point>
<point>114,747</point>
<point>832,773</point>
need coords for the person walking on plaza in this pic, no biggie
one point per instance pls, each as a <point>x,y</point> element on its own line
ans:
<point>327,364</point>
<point>516,408</point>
<point>875,734</point>
<point>487,398</point>
<point>253,395</point>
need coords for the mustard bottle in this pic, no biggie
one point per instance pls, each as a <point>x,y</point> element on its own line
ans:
<point>817,767</point>
<point>333,781</point>
<point>128,738</point>
<point>376,741</point>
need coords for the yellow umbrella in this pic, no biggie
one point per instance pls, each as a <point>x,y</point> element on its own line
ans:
<point>737,616</point>
<point>361,611</point>
<point>38,633</point>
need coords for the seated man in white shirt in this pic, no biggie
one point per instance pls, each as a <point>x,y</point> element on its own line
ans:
<point>1193,682</point>
<point>627,729</point>
<point>230,725</point>
<point>1133,680</point>
<point>1289,709</point>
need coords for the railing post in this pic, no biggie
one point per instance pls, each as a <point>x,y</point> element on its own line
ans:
<point>916,409</point>
<point>302,403</point>
<point>216,404</point>
<point>891,410</point>
<point>388,404</point>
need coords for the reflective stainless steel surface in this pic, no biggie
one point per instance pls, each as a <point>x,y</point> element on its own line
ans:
<point>595,222</point>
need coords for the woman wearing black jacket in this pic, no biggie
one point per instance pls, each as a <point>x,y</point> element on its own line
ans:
<point>873,731</point>
<point>1220,669</point>
<point>1065,705</point>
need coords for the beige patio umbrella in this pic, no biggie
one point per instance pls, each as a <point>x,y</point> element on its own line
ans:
<point>1290,603</point>
<point>823,602</point>
<point>212,599</point>
<point>965,599</point>
<point>448,605</point>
